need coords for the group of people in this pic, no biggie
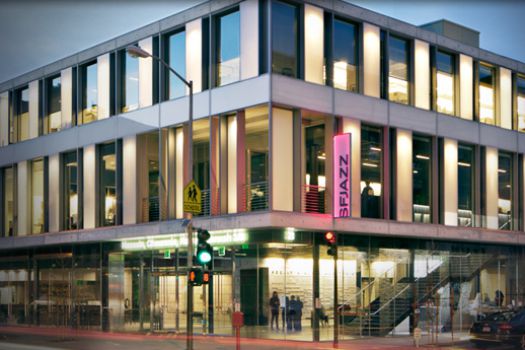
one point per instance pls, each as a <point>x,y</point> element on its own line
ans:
<point>291,310</point>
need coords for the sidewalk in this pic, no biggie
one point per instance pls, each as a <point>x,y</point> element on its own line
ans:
<point>65,338</point>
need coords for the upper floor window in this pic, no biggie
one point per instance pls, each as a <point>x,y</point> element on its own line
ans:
<point>201,161</point>
<point>345,55</point>
<point>398,80</point>
<point>486,94</point>
<point>505,191</point>
<point>53,115</point>
<point>177,59</point>
<point>520,103</point>
<point>129,82</point>
<point>8,202</point>
<point>315,164</point>
<point>285,39</point>
<point>71,189</point>
<point>422,178</point>
<point>37,196</point>
<point>465,185</point>
<point>89,93</point>
<point>371,171</point>
<point>20,126</point>
<point>445,69</point>
<point>228,46</point>
<point>107,180</point>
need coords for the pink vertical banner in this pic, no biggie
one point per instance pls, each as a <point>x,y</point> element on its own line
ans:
<point>342,176</point>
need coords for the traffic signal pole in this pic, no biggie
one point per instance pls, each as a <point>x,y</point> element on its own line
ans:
<point>189,289</point>
<point>336,311</point>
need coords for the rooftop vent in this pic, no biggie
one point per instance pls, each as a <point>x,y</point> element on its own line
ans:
<point>454,31</point>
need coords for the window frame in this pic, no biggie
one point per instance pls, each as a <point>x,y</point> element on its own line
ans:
<point>215,53</point>
<point>82,93</point>
<point>455,76</point>
<point>299,52</point>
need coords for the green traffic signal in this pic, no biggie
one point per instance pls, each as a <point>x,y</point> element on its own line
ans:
<point>204,249</point>
<point>203,256</point>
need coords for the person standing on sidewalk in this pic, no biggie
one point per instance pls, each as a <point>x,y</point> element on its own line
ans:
<point>274,309</point>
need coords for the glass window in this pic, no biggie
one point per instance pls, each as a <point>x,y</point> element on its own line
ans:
<point>345,55</point>
<point>315,163</point>
<point>398,70</point>
<point>71,189</point>
<point>520,103</point>
<point>445,68</point>
<point>89,93</point>
<point>256,147</point>
<point>228,48</point>
<point>465,185</point>
<point>371,171</point>
<point>53,116</point>
<point>107,184</point>
<point>486,94</point>
<point>129,82</point>
<point>37,196</point>
<point>285,39</point>
<point>9,202</point>
<point>505,191</point>
<point>422,178</point>
<point>22,114</point>
<point>177,60</point>
<point>201,161</point>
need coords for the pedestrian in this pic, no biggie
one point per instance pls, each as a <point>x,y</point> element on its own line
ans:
<point>292,308</point>
<point>298,314</point>
<point>274,309</point>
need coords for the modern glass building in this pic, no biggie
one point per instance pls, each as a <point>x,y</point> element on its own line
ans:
<point>94,158</point>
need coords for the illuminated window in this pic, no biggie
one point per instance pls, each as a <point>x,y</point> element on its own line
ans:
<point>129,82</point>
<point>345,56</point>
<point>228,54</point>
<point>445,69</point>
<point>504,191</point>
<point>201,161</point>
<point>520,103</point>
<point>9,193</point>
<point>465,185</point>
<point>108,195</point>
<point>53,116</point>
<point>257,151</point>
<point>371,171</point>
<point>89,93</point>
<point>422,178</point>
<point>71,189</point>
<point>486,94</point>
<point>37,196</point>
<point>315,163</point>
<point>398,52</point>
<point>21,124</point>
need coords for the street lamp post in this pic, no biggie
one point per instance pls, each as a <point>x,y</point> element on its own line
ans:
<point>136,51</point>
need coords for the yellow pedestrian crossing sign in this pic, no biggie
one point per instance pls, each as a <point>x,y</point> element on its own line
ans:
<point>192,198</point>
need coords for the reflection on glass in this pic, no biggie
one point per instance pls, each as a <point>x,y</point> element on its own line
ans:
<point>445,83</point>
<point>9,191</point>
<point>89,93</point>
<point>345,56</point>
<point>53,121</point>
<point>177,60</point>
<point>521,103</point>
<point>486,94</point>
<point>284,38</point>
<point>398,70</point>
<point>22,113</point>
<point>130,82</point>
<point>422,178</point>
<point>70,190</point>
<point>201,161</point>
<point>107,184</point>
<point>315,162</point>
<point>504,191</point>
<point>465,185</point>
<point>257,126</point>
<point>371,166</point>
<point>37,196</point>
<point>228,47</point>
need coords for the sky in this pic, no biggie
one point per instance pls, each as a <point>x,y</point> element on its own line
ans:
<point>34,33</point>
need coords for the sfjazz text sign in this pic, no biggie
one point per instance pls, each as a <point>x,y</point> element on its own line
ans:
<point>342,177</point>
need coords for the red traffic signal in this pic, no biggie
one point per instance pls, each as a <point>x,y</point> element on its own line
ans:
<point>330,237</point>
<point>195,276</point>
<point>206,276</point>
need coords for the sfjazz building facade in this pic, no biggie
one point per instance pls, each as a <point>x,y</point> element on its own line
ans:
<point>94,158</point>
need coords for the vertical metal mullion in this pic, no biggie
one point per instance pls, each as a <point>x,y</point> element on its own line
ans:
<point>476,91</point>
<point>433,78</point>
<point>480,184</point>
<point>457,85</point>
<point>515,186</point>
<point>118,180</point>
<point>3,233</point>
<point>46,193</point>
<point>385,172</point>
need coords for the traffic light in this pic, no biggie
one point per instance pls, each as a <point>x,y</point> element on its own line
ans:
<point>206,277</point>
<point>204,249</point>
<point>195,276</point>
<point>331,240</point>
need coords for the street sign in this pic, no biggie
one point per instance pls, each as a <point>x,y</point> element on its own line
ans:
<point>167,254</point>
<point>192,198</point>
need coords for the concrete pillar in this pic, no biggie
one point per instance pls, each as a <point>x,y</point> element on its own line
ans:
<point>371,60</point>
<point>313,44</point>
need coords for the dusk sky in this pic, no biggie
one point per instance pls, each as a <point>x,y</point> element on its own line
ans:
<point>35,33</point>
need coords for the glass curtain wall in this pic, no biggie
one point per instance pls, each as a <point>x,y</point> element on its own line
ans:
<point>422,178</point>
<point>285,39</point>
<point>89,93</point>
<point>315,164</point>
<point>398,61</point>
<point>201,161</point>
<point>505,191</point>
<point>107,180</point>
<point>148,177</point>
<point>53,115</point>
<point>8,189</point>
<point>520,103</point>
<point>37,196</point>
<point>177,60</point>
<point>466,168</point>
<point>371,171</point>
<point>445,71</point>
<point>71,186</point>
<point>22,114</point>
<point>129,82</point>
<point>257,158</point>
<point>228,41</point>
<point>486,90</point>
<point>345,55</point>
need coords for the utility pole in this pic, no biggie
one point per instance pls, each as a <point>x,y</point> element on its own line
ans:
<point>189,289</point>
